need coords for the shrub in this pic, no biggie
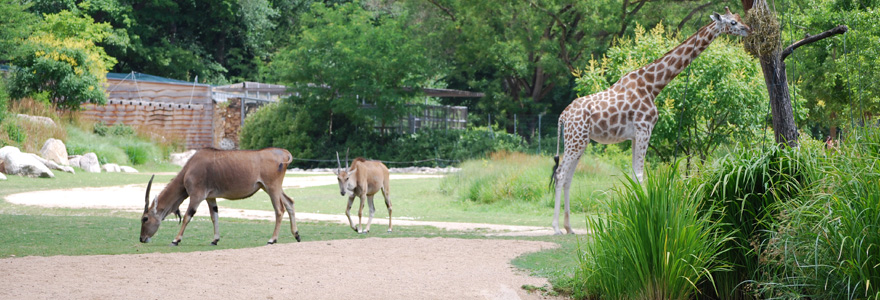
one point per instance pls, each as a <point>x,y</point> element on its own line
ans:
<point>827,246</point>
<point>749,185</point>
<point>653,242</point>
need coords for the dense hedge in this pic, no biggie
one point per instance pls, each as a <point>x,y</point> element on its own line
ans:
<point>285,126</point>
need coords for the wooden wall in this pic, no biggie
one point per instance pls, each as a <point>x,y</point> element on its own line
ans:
<point>173,109</point>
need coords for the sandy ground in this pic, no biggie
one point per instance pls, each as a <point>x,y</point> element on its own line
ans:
<point>373,268</point>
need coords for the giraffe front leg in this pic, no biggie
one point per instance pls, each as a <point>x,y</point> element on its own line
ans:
<point>640,149</point>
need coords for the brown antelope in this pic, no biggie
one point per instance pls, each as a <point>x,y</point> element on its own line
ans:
<point>230,174</point>
<point>364,178</point>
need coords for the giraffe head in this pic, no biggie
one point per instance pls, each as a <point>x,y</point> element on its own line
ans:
<point>730,23</point>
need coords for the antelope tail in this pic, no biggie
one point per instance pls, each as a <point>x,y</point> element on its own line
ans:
<point>559,130</point>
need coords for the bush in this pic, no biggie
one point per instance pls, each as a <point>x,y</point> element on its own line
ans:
<point>749,185</point>
<point>653,242</point>
<point>827,245</point>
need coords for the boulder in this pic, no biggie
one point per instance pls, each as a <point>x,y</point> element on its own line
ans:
<point>25,164</point>
<point>88,162</point>
<point>2,177</point>
<point>52,165</point>
<point>180,159</point>
<point>54,150</point>
<point>37,119</point>
<point>110,168</point>
<point>127,169</point>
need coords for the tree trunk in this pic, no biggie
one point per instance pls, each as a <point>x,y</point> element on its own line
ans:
<point>780,100</point>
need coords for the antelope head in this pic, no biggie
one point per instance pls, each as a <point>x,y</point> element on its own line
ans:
<point>149,221</point>
<point>344,176</point>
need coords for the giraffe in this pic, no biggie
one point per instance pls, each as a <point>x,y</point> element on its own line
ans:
<point>626,111</point>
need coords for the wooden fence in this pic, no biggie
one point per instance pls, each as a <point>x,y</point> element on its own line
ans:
<point>171,108</point>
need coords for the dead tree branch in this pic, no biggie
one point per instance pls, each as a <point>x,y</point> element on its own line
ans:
<point>840,29</point>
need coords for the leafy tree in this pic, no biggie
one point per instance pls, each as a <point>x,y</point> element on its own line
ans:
<point>835,75</point>
<point>61,59</point>
<point>17,25</point>
<point>346,56</point>
<point>716,100</point>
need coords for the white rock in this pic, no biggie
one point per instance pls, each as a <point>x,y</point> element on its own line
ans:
<point>25,164</point>
<point>37,119</point>
<point>88,162</point>
<point>54,150</point>
<point>127,169</point>
<point>2,177</point>
<point>110,168</point>
<point>52,165</point>
<point>180,159</point>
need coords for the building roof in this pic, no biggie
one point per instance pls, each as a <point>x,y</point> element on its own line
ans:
<point>149,78</point>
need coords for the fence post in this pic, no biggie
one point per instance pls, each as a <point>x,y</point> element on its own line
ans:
<point>514,125</point>
<point>539,133</point>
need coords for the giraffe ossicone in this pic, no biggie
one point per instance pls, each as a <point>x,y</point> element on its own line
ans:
<point>626,110</point>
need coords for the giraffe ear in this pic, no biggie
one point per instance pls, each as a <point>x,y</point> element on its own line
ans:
<point>715,17</point>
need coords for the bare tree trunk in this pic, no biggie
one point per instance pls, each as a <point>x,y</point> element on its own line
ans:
<point>780,100</point>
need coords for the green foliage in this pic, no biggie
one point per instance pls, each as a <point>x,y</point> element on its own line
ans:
<point>826,243</point>
<point>749,185</point>
<point>653,242</point>
<point>835,74</point>
<point>61,58</point>
<point>17,25</point>
<point>517,179</point>
<point>345,56</point>
<point>14,132</point>
<point>290,127</point>
<point>118,144</point>
<point>717,99</point>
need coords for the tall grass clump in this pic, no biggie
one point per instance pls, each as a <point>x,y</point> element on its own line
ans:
<point>29,135</point>
<point>656,241</point>
<point>829,240</point>
<point>748,185</point>
<point>516,178</point>
<point>119,144</point>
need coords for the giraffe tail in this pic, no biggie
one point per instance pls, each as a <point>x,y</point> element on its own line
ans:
<point>559,128</point>
<point>553,176</point>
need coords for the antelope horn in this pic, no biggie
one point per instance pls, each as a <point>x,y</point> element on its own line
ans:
<point>147,196</point>
<point>338,163</point>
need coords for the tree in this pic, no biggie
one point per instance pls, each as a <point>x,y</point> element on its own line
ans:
<point>62,60</point>
<point>766,45</point>
<point>522,53</point>
<point>17,25</point>
<point>346,56</point>
<point>715,101</point>
<point>835,75</point>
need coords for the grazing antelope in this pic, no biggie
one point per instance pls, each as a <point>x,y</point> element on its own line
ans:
<point>230,174</point>
<point>363,178</point>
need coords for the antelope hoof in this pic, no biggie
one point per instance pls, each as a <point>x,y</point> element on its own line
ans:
<point>557,233</point>
<point>355,230</point>
<point>214,242</point>
<point>174,243</point>
<point>296,235</point>
<point>389,230</point>
<point>270,243</point>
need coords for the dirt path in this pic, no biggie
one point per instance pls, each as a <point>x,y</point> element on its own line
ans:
<point>373,268</point>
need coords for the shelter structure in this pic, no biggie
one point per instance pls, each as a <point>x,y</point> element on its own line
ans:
<point>173,108</point>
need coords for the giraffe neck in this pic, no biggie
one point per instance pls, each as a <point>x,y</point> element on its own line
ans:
<point>665,68</point>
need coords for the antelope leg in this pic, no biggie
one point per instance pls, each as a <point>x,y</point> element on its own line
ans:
<point>215,216</point>
<point>348,214</point>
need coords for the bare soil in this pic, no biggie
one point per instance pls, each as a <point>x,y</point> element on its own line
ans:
<point>372,268</point>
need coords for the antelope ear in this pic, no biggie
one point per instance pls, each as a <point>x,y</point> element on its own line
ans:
<point>715,17</point>
<point>352,172</point>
